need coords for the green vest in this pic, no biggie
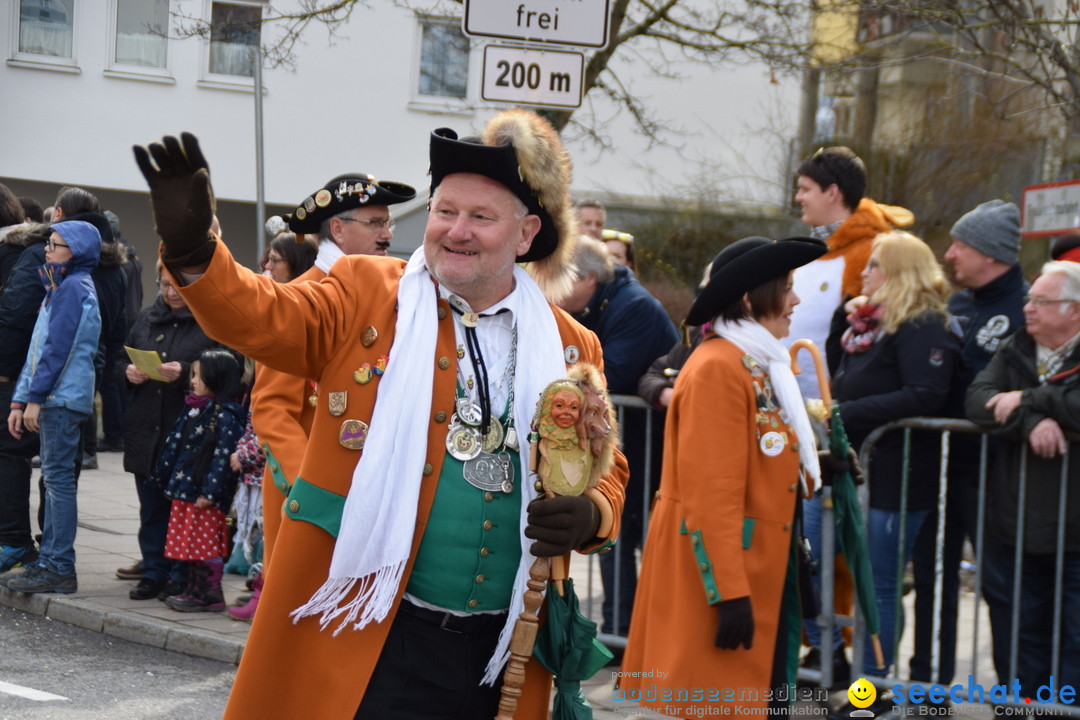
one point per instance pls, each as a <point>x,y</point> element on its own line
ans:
<point>469,555</point>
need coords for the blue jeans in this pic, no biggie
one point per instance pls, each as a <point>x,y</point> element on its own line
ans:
<point>812,531</point>
<point>884,542</point>
<point>1037,622</point>
<point>60,434</point>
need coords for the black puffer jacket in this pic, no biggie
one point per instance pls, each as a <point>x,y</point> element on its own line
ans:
<point>155,405</point>
<point>23,251</point>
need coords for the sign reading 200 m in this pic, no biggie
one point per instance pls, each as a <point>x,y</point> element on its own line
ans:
<point>562,22</point>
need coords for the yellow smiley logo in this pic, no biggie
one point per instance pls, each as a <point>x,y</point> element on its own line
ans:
<point>862,693</point>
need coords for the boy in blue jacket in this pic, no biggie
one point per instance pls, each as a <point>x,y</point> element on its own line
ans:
<point>55,393</point>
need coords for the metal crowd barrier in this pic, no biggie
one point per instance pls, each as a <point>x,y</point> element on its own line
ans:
<point>828,620</point>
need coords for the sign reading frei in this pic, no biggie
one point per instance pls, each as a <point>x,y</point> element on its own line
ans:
<point>562,22</point>
<point>532,76</point>
<point>1051,208</point>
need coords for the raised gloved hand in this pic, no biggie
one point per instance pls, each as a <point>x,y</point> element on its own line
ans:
<point>736,624</point>
<point>181,198</point>
<point>561,524</point>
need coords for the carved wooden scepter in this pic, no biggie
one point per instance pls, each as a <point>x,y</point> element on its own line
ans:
<point>571,445</point>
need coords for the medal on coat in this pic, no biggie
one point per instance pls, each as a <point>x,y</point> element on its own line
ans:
<point>468,412</point>
<point>337,403</point>
<point>463,442</point>
<point>362,374</point>
<point>493,439</point>
<point>353,433</point>
<point>490,472</point>
<point>772,443</point>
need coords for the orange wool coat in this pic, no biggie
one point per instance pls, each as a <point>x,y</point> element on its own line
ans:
<point>721,529</point>
<point>314,330</point>
<point>282,417</point>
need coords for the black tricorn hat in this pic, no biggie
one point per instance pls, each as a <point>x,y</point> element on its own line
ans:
<point>345,192</point>
<point>521,150</point>
<point>747,263</point>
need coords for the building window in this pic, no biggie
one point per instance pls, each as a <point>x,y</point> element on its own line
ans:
<point>46,27</point>
<point>234,38</point>
<point>142,32</point>
<point>444,58</point>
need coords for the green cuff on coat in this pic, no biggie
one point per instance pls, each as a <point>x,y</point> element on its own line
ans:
<point>704,563</point>
<point>280,481</point>
<point>312,504</point>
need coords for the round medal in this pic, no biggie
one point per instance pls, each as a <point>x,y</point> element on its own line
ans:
<point>772,443</point>
<point>493,440</point>
<point>462,442</point>
<point>468,412</point>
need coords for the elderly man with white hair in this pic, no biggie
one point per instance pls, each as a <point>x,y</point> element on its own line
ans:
<point>1030,394</point>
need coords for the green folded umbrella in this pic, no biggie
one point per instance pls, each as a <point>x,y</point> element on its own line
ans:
<point>567,646</point>
<point>851,531</point>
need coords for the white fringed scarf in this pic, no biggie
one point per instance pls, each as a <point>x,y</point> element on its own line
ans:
<point>762,345</point>
<point>379,519</point>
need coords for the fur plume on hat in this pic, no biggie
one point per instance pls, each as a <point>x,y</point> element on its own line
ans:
<point>545,165</point>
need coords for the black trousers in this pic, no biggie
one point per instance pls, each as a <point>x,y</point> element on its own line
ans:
<point>430,668</point>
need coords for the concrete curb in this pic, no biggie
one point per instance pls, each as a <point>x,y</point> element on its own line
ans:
<point>126,625</point>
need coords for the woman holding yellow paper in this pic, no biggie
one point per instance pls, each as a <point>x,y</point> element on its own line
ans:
<point>168,328</point>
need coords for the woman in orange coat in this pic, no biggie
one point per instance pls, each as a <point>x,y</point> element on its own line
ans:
<point>711,624</point>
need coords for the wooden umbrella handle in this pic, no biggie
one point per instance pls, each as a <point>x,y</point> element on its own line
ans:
<point>523,639</point>
<point>819,367</point>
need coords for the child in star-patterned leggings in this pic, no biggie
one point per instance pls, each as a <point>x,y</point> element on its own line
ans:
<point>195,470</point>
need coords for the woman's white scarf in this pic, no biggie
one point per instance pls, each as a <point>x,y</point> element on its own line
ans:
<point>762,345</point>
<point>379,519</point>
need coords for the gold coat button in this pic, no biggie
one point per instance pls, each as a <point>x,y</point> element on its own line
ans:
<point>444,362</point>
<point>712,594</point>
<point>480,579</point>
<point>794,487</point>
<point>442,313</point>
<point>428,469</point>
<point>484,552</point>
<point>473,603</point>
<point>487,525</point>
<point>795,446</point>
<point>489,496</point>
<point>704,567</point>
<point>294,506</point>
<point>440,417</point>
<point>693,540</point>
<point>787,526</point>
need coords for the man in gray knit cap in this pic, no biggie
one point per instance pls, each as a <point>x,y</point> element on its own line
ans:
<point>989,307</point>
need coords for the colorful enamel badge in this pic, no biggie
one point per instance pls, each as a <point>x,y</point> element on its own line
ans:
<point>362,374</point>
<point>380,365</point>
<point>353,433</point>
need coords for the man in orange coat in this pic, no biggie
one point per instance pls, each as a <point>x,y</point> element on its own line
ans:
<point>346,223</point>
<point>415,555</point>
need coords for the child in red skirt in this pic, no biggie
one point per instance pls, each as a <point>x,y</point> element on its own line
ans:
<point>194,468</point>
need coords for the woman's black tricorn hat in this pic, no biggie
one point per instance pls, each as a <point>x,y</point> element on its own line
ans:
<point>747,263</point>
<point>342,193</point>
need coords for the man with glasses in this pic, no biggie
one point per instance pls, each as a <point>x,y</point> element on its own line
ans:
<point>989,307</point>
<point>1029,395</point>
<point>830,189</point>
<point>351,216</point>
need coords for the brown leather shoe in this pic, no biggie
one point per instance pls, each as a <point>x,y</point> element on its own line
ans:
<point>130,573</point>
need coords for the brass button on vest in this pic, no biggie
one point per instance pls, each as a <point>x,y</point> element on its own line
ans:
<point>484,552</point>
<point>440,417</point>
<point>487,525</point>
<point>294,506</point>
<point>428,469</point>
<point>444,362</point>
<point>704,567</point>
<point>489,496</point>
<point>480,579</point>
<point>442,313</point>
<point>473,603</point>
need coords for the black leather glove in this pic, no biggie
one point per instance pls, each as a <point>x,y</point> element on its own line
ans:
<point>561,524</point>
<point>831,465</point>
<point>181,198</point>
<point>736,624</point>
